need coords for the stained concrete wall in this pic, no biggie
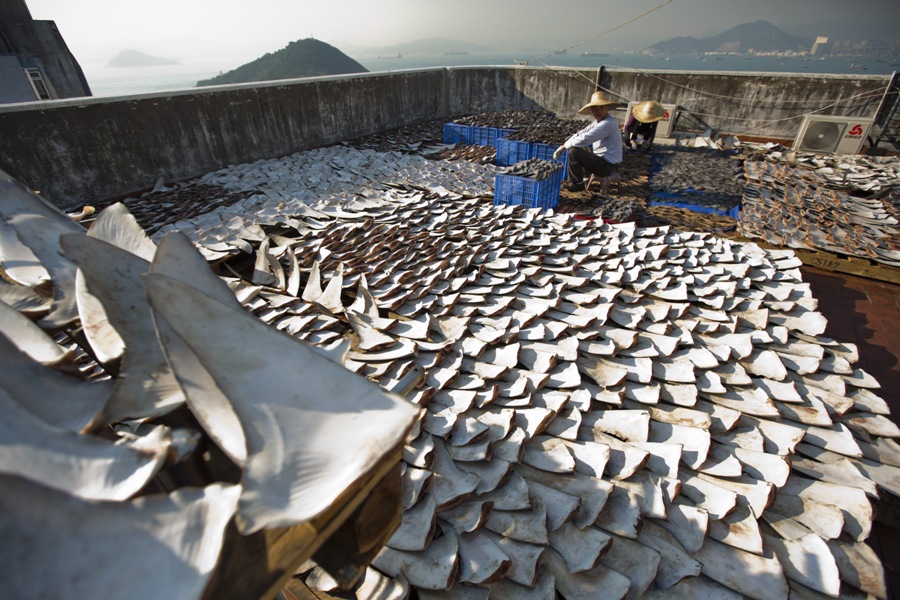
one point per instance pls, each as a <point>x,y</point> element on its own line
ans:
<point>78,151</point>
<point>754,104</point>
<point>767,105</point>
<point>85,150</point>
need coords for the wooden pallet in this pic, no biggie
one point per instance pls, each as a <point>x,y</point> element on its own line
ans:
<point>831,261</point>
<point>852,265</point>
<point>344,539</point>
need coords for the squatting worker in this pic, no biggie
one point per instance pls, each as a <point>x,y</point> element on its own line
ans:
<point>642,123</point>
<point>596,149</point>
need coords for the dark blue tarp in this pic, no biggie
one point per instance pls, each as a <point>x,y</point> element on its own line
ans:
<point>681,198</point>
<point>678,200</point>
<point>734,213</point>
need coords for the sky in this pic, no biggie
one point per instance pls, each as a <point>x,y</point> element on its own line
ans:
<point>238,31</point>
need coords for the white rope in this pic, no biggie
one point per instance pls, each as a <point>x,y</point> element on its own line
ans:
<point>772,122</point>
<point>602,33</point>
<point>579,75</point>
<point>739,98</point>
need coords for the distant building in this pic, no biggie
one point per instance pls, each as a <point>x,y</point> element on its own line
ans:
<point>35,63</point>
<point>876,49</point>
<point>820,46</point>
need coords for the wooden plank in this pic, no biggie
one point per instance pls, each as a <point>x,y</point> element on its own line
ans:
<point>830,261</point>
<point>349,550</point>
<point>297,590</point>
<point>261,564</point>
<point>861,267</point>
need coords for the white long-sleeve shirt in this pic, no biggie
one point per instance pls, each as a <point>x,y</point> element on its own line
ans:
<point>603,136</point>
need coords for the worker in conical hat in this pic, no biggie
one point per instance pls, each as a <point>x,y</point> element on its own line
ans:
<point>597,148</point>
<point>640,128</point>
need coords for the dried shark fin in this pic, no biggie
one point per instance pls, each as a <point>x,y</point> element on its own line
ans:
<point>262,268</point>
<point>31,339</point>
<point>106,343</point>
<point>19,263</point>
<point>38,225</point>
<point>313,289</point>
<point>313,430</point>
<point>116,226</point>
<point>146,386</point>
<point>82,465</point>
<point>23,298</point>
<point>365,302</point>
<point>96,547</point>
<point>330,299</point>
<point>177,258</point>
<point>41,234</point>
<point>56,398</point>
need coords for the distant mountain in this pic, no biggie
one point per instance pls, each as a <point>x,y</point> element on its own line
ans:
<point>760,36</point>
<point>679,45</point>
<point>528,47</point>
<point>303,58</point>
<point>134,58</point>
<point>846,31</point>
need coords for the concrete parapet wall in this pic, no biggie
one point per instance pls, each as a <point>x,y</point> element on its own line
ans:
<point>757,104</point>
<point>473,90</point>
<point>92,149</point>
<point>78,151</point>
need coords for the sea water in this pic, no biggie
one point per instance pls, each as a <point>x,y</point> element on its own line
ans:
<point>124,81</point>
<point>118,81</point>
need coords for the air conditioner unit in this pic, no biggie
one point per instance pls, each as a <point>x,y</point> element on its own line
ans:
<point>840,135</point>
<point>665,126</point>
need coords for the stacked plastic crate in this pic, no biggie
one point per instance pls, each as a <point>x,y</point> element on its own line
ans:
<point>534,182</point>
<point>480,136</point>
<point>509,152</point>
<point>512,189</point>
<point>534,193</point>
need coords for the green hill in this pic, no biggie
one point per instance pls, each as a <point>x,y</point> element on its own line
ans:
<point>303,58</point>
<point>760,36</point>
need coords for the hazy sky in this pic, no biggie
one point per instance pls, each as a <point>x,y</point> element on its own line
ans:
<point>242,30</point>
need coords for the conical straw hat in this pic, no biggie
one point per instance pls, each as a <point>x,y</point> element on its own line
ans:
<point>648,111</point>
<point>597,99</point>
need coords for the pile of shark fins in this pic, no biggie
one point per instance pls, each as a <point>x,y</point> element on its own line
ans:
<point>610,411</point>
<point>108,340</point>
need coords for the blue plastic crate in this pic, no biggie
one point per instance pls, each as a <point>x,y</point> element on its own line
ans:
<point>543,194</point>
<point>545,152</point>
<point>488,136</point>
<point>457,134</point>
<point>509,152</point>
